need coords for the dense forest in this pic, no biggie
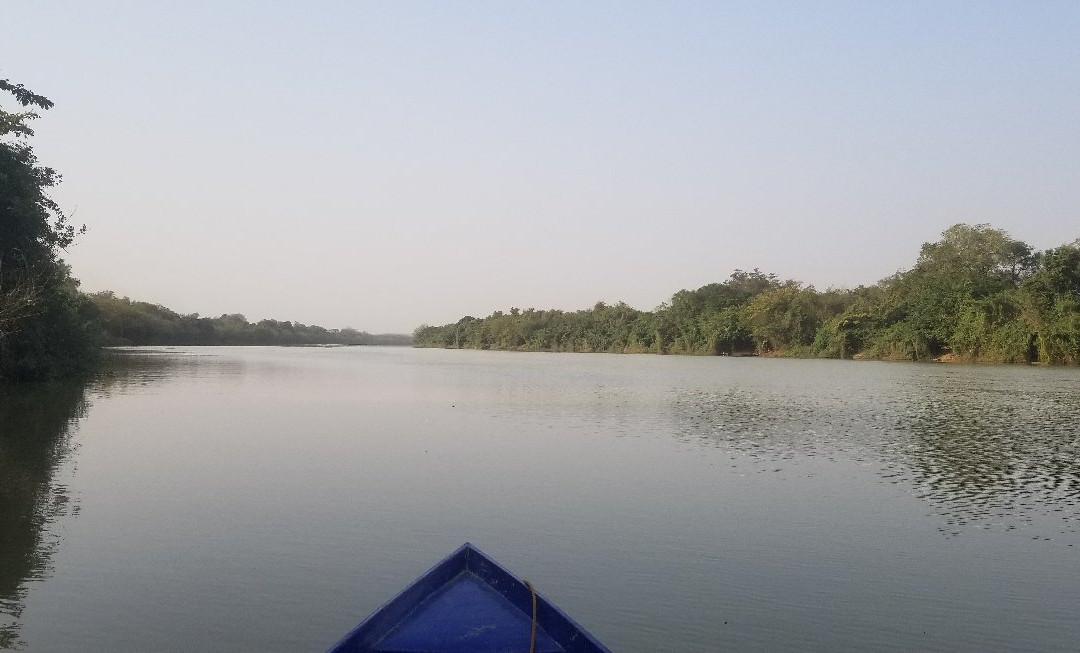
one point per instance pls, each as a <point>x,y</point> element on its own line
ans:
<point>974,295</point>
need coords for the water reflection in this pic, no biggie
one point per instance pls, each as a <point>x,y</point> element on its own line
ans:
<point>772,494</point>
<point>35,443</point>
<point>127,369</point>
<point>37,455</point>
<point>984,450</point>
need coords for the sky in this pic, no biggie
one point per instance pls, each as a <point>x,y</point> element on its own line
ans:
<point>382,165</point>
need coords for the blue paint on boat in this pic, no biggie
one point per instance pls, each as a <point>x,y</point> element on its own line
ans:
<point>466,604</point>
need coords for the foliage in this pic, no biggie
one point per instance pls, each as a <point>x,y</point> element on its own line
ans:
<point>976,294</point>
<point>45,326</point>
<point>604,328</point>
<point>969,264</point>
<point>786,318</point>
<point>1053,295</point>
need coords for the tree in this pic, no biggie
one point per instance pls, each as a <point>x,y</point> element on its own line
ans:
<point>968,265</point>
<point>45,324</point>
<point>1054,296</point>
<point>785,318</point>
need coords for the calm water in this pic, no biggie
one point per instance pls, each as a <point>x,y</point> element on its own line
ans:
<point>243,499</point>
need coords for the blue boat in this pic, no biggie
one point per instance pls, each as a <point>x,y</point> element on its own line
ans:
<point>468,604</point>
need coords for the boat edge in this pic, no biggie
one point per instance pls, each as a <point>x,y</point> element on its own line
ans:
<point>469,557</point>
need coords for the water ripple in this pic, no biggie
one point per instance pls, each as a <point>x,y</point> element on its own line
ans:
<point>985,451</point>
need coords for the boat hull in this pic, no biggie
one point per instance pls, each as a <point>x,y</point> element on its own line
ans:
<point>468,603</point>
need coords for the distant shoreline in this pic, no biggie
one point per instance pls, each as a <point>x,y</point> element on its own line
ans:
<point>130,323</point>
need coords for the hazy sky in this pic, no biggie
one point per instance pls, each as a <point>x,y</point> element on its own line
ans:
<point>382,165</point>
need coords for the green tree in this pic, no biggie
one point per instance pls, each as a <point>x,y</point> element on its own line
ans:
<point>786,318</point>
<point>1054,296</point>
<point>968,265</point>
<point>46,326</point>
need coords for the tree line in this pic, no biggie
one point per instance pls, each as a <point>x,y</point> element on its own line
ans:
<point>126,322</point>
<point>975,295</point>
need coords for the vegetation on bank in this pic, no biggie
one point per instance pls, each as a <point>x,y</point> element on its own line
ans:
<point>46,326</point>
<point>126,322</point>
<point>974,295</point>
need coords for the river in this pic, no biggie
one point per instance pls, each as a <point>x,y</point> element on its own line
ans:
<point>269,498</point>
